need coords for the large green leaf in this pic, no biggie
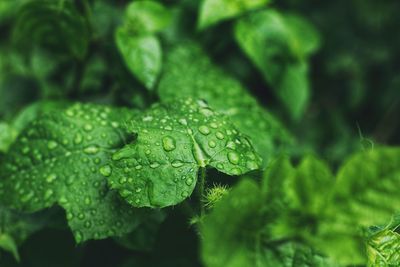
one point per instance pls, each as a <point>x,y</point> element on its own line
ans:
<point>173,141</point>
<point>214,11</point>
<point>188,72</point>
<point>279,46</point>
<point>56,25</point>
<point>234,234</point>
<point>56,160</point>
<point>366,187</point>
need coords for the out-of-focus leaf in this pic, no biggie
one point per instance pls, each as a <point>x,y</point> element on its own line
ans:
<point>214,11</point>
<point>143,17</point>
<point>142,55</point>
<point>54,25</point>
<point>173,142</point>
<point>188,72</point>
<point>279,46</point>
<point>7,243</point>
<point>366,187</point>
<point>234,234</point>
<point>7,136</point>
<point>144,236</point>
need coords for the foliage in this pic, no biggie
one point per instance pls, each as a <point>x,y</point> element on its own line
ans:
<point>207,133</point>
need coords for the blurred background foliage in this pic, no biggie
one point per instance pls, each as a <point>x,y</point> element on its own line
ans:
<point>328,71</point>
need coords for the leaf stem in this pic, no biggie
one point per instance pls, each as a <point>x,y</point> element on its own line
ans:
<point>201,186</point>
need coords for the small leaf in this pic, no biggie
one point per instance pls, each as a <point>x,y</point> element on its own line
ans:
<point>384,249</point>
<point>279,46</point>
<point>188,72</point>
<point>173,141</point>
<point>142,55</point>
<point>56,25</point>
<point>57,159</point>
<point>143,17</point>
<point>7,243</point>
<point>214,11</point>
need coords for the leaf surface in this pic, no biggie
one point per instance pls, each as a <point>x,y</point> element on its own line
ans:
<point>173,141</point>
<point>188,72</point>
<point>56,160</point>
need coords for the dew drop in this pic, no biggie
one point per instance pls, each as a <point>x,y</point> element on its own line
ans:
<point>204,130</point>
<point>189,181</point>
<point>219,135</point>
<point>185,194</point>
<point>183,121</point>
<point>233,157</point>
<point>168,143</point>
<point>236,171</point>
<point>52,145</point>
<point>214,125</point>
<point>78,236</point>
<point>252,165</point>
<point>48,194</point>
<point>106,170</point>
<point>154,165</point>
<point>91,150</point>
<point>88,127</point>
<point>51,178</point>
<point>78,139</point>
<point>212,144</point>
<point>177,163</point>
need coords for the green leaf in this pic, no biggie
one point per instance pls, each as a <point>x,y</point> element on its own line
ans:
<point>366,188</point>
<point>384,249</point>
<point>144,236</point>
<point>55,25</point>
<point>56,160</point>
<point>174,140</point>
<point>7,136</point>
<point>142,55</point>
<point>234,236</point>
<point>214,11</point>
<point>312,183</point>
<point>188,72</point>
<point>7,243</point>
<point>16,227</point>
<point>279,46</point>
<point>142,17</point>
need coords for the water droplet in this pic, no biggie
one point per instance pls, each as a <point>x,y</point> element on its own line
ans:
<point>88,201</point>
<point>81,216</point>
<point>52,144</point>
<point>177,163</point>
<point>219,135</point>
<point>88,127</point>
<point>189,181</point>
<point>204,130</point>
<point>236,171</point>
<point>154,165</point>
<point>78,139</point>
<point>70,113</point>
<point>185,194</point>
<point>25,150</point>
<point>183,121</point>
<point>51,178</point>
<point>220,166</point>
<point>91,150</point>
<point>233,157</point>
<point>138,167</point>
<point>168,143</point>
<point>214,125</point>
<point>212,144</point>
<point>138,190</point>
<point>115,124</point>
<point>88,224</point>
<point>48,194</point>
<point>122,180</point>
<point>106,170</point>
